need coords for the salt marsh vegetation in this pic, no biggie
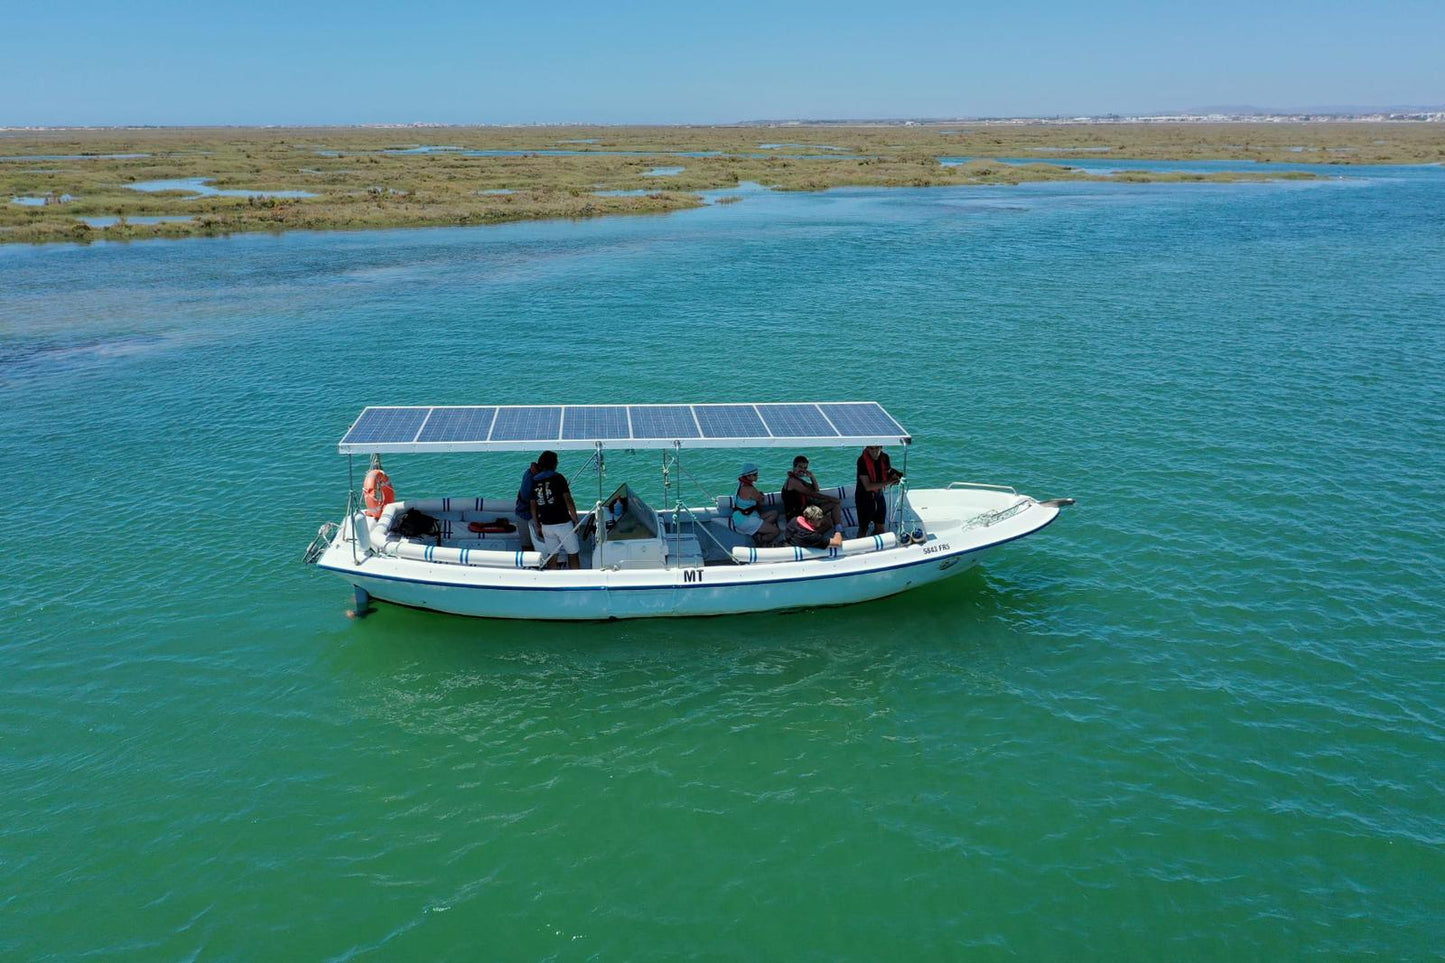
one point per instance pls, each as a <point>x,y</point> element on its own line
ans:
<point>358,178</point>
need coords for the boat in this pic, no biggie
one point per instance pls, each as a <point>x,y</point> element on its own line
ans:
<point>637,560</point>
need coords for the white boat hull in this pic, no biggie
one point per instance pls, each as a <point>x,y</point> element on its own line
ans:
<point>956,539</point>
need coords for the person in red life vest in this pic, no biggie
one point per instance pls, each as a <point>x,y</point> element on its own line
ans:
<point>875,474</point>
<point>801,490</point>
<point>554,517</point>
<point>812,529</point>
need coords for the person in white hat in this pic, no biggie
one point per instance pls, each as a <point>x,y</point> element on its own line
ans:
<point>749,518</point>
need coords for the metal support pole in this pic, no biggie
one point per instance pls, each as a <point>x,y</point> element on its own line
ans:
<point>902,486</point>
<point>599,471</point>
<point>676,517</point>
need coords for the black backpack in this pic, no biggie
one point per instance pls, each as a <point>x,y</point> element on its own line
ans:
<point>415,523</point>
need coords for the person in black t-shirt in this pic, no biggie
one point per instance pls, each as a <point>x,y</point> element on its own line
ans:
<point>875,474</point>
<point>554,517</point>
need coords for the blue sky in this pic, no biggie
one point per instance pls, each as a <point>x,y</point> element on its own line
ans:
<point>328,62</point>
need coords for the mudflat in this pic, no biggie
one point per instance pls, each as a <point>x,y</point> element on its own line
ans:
<point>432,176</point>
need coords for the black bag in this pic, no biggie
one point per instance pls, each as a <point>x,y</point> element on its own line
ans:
<point>414,523</point>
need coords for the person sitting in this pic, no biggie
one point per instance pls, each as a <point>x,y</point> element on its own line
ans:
<point>801,490</point>
<point>748,515</point>
<point>812,529</point>
<point>554,516</point>
<point>875,474</point>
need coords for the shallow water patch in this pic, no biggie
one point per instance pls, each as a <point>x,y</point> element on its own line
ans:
<point>664,172</point>
<point>201,187</point>
<point>846,150</point>
<point>55,157</point>
<point>145,219</point>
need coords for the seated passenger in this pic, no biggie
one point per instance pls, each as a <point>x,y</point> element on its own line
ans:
<point>812,529</point>
<point>801,490</point>
<point>748,515</point>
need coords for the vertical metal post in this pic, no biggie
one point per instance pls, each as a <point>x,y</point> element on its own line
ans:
<point>902,519</point>
<point>902,493</point>
<point>676,512</point>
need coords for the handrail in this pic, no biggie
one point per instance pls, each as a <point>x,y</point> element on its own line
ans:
<point>320,543</point>
<point>985,519</point>
<point>700,526</point>
<point>351,503</point>
<point>1001,488</point>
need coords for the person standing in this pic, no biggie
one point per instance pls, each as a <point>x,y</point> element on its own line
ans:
<point>554,516</point>
<point>875,474</point>
<point>524,505</point>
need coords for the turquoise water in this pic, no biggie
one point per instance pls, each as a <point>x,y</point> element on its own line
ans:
<point>1200,717</point>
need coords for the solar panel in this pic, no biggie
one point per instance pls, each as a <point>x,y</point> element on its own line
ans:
<point>386,425</point>
<point>527,424</point>
<point>595,422</point>
<point>730,421</point>
<point>662,421</point>
<point>576,427</point>
<point>458,424</point>
<point>797,421</point>
<point>862,418</point>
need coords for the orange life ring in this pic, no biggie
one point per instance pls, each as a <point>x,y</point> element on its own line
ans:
<point>378,492</point>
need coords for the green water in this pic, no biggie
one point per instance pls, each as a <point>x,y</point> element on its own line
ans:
<point>1200,717</point>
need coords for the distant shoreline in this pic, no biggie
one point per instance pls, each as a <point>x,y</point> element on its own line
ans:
<point>1380,115</point>
<point>75,185</point>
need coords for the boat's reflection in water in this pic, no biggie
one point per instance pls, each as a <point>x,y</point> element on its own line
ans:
<point>463,676</point>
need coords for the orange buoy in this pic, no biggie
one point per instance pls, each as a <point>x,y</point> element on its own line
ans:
<point>378,492</point>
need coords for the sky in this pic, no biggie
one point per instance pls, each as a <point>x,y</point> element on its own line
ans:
<point>357,62</point>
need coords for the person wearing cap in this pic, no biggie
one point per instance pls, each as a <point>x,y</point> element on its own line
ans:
<point>801,490</point>
<point>813,529</point>
<point>748,515</point>
<point>875,474</point>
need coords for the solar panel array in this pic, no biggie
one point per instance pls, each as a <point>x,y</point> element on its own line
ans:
<point>644,426</point>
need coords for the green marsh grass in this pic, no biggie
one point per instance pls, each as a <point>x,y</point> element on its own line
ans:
<point>358,186</point>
